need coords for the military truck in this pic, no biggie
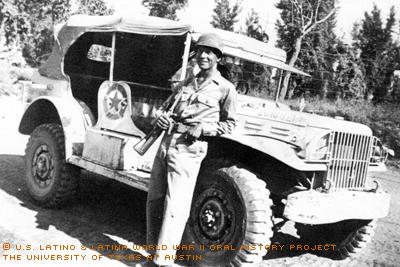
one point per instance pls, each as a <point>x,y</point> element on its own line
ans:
<point>103,85</point>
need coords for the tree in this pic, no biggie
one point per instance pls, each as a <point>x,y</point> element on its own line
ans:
<point>28,25</point>
<point>256,76</point>
<point>378,51</point>
<point>94,7</point>
<point>225,16</point>
<point>300,18</point>
<point>14,22</point>
<point>318,56</point>
<point>349,79</point>
<point>253,27</point>
<point>43,16</point>
<point>60,10</point>
<point>396,87</point>
<point>164,8</point>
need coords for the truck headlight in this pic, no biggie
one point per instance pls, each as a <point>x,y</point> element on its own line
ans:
<point>380,152</point>
<point>316,149</point>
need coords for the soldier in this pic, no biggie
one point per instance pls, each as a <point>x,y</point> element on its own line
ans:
<point>206,107</point>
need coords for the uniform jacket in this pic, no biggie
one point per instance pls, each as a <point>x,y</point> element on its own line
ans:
<point>213,104</point>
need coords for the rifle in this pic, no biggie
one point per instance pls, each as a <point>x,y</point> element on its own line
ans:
<point>146,142</point>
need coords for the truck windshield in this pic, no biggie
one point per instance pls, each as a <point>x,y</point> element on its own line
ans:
<point>251,78</point>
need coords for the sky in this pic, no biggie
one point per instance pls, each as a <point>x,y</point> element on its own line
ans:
<point>199,13</point>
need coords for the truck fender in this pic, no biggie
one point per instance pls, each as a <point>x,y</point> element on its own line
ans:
<point>66,112</point>
<point>277,149</point>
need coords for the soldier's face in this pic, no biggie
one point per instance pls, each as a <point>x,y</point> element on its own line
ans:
<point>206,58</point>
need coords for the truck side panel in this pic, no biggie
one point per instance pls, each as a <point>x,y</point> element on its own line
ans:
<point>278,150</point>
<point>66,112</point>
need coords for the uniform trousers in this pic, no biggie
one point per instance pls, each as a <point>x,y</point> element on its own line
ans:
<point>173,179</point>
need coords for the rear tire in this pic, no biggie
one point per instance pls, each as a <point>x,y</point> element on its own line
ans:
<point>50,180</point>
<point>350,236</point>
<point>231,207</point>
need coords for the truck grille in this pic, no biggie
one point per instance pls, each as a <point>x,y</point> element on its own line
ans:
<point>349,159</point>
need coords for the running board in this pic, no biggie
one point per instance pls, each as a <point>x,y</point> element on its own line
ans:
<point>137,179</point>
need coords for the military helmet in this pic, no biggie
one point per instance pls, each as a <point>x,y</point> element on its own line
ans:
<point>211,40</point>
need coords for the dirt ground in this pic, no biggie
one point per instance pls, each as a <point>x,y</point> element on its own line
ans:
<point>108,213</point>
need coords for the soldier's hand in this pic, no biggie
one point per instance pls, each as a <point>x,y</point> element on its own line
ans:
<point>163,122</point>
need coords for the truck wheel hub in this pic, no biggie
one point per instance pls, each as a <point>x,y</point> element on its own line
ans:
<point>215,213</point>
<point>42,165</point>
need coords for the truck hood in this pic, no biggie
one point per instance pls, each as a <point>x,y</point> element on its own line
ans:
<point>265,109</point>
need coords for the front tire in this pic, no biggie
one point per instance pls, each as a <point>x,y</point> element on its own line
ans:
<point>231,208</point>
<point>50,180</point>
<point>350,236</point>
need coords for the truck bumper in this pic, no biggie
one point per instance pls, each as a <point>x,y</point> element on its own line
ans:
<point>312,207</point>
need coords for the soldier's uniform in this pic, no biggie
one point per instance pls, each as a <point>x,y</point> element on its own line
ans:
<point>177,163</point>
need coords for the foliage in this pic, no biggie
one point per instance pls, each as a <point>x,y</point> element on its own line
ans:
<point>379,117</point>
<point>10,74</point>
<point>164,8</point>
<point>349,79</point>
<point>43,15</point>
<point>252,77</point>
<point>225,16</point>
<point>13,21</point>
<point>395,93</point>
<point>28,24</point>
<point>316,58</point>
<point>248,77</point>
<point>306,33</point>
<point>378,51</point>
<point>253,27</point>
<point>94,7</point>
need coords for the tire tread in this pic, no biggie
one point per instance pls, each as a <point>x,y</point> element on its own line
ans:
<point>67,186</point>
